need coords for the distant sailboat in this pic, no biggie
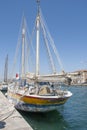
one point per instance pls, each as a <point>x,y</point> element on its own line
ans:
<point>4,85</point>
<point>6,70</point>
<point>32,91</point>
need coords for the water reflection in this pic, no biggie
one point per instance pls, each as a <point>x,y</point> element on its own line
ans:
<point>46,121</point>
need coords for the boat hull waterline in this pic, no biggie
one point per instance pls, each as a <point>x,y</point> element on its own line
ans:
<point>36,103</point>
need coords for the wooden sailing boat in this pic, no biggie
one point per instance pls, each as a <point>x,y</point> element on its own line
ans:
<point>33,92</point>
<point>4,84</point>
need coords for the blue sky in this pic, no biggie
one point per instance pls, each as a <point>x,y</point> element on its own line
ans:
<point>67,23</point>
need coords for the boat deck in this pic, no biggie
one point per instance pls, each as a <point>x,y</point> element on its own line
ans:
<point>10,119</point>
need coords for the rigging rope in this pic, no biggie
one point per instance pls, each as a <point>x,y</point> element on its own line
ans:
<point>28,41</point>
<point>51,42</point>
<point>48,49</point>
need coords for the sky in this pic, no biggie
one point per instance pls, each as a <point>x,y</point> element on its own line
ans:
<point>67,23</point>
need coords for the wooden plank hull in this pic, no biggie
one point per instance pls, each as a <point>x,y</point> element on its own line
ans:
<point>35,103</point>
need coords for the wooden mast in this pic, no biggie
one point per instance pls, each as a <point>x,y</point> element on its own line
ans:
<point>37,38</point>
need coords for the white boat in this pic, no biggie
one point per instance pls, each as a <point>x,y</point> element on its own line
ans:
<point>35,92</point>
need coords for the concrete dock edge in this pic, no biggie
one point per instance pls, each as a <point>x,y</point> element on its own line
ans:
<point>10,118</point>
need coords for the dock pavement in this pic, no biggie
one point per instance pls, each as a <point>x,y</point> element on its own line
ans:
<point>10,118</point>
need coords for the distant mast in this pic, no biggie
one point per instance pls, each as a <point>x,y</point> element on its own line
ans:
<point>6,69</point>
<point>37,37</point>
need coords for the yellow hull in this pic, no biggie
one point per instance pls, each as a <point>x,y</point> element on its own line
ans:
<point>36,103</point>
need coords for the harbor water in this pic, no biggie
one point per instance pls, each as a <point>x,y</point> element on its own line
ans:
<point>71,116</point>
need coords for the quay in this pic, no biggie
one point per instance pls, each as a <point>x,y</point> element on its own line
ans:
<point>10,118</point>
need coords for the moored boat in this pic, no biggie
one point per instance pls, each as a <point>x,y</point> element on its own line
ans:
<point>38,103</point>
<point>33,92</point>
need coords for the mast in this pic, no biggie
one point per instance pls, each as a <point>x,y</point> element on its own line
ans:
<point>23,48</point>
<point>37,37</point>
<point>6,69</point>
